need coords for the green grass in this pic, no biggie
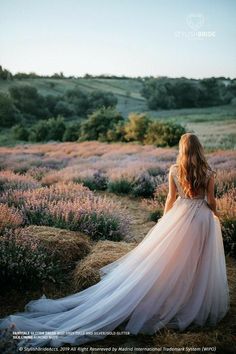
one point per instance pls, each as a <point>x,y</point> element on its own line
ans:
<point>216,126</point>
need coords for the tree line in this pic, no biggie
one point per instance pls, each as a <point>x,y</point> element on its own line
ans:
<point>24,104</point>
<point>7,75</point>
<point>105,125</point>
<point>166,93</point>
<point>161,92</point>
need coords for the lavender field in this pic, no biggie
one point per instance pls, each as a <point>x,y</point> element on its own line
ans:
<point>67,209</point>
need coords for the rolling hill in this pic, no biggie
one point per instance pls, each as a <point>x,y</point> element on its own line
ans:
<point>216,126</point>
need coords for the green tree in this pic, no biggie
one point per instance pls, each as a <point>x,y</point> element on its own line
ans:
<point>8,112</point>
<point>168,93</point>
<point>186,93</point>
<point>5,74</point>
<point>39,131</point>
<point>63,108</point>
<point>52,129</point>
<point>78,100</point>
<point>162,97</point>
<point>211,92</point>
<point>164,134</point>
<point>136,127</point>
<point>20,132</point>
<point>230,94</point>
<point>29,102</point>
<point>72,132</point>
<point>83,103</point>
<point>50,102</point>
<point>157,93</point>
<point>117,133</point>
<point>58,76</point>
<point>99,123</point>
<point>98,99</point>
<point>56,128</point>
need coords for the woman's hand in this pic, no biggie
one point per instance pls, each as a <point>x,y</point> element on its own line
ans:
<point>215,212</point>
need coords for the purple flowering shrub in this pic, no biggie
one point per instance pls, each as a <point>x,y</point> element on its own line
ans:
<point>9,217</point>
<point>227,209</point>
<point>225,181</point>
<point>157,203</point>
<point>95,181</point>
<point>11,180</point>
<point>119,168</point>
<point>23,261</point>
<point>70,206</point>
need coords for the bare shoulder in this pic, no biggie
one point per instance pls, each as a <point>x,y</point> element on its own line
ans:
<point>210,174</point>
<point>210,179</point>
<point>173,167</point>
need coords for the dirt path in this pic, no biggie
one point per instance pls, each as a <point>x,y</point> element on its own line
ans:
<point>138,215</point>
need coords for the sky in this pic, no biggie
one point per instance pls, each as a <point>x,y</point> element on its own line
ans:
<point>119,37</point>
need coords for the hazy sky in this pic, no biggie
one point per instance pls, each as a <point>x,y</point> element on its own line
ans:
<point>122,37</point>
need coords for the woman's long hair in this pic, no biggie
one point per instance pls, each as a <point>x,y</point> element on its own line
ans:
<point>192,165</point>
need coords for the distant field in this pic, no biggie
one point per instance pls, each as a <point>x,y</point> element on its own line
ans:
<point>126,91</point>
<point>216,126</point>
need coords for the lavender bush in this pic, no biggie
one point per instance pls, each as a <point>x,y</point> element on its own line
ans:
<point>120,186</point>
<point>11,180</point>
<point>70,206</point>
<point>227,208</point>
<point>144,185</point>
<point>97,181</point>
<point>9,217</point>
<point>23,261</point>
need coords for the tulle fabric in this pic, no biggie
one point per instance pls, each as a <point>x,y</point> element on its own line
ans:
<point>174,278</point>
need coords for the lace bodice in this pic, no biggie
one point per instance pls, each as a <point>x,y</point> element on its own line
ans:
<point>174,173</point>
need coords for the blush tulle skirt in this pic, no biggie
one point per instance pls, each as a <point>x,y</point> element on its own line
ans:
<point>175,277</point>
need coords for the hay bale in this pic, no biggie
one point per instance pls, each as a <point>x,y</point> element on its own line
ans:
<point>86,272</point>
<point>68,246</point>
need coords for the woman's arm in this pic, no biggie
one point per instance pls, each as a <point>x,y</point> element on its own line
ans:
<point>210,195</point>
<point>171,197</point>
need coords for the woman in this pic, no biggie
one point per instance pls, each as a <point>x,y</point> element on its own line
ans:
<point>176,277</point>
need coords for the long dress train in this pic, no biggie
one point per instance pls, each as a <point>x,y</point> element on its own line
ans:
<point>174,278</point>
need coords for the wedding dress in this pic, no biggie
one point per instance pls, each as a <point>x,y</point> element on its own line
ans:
<point>175,277</point>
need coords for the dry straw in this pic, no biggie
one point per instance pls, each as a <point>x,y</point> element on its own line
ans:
<point>104,252</point>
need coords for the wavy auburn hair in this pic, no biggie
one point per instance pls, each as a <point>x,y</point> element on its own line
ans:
<point>192,165</point>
